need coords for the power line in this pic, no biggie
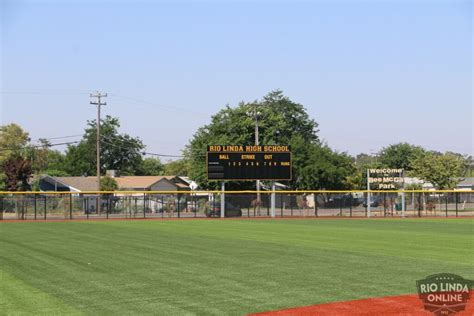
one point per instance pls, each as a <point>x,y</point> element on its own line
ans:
<point>38,146</point>
<point>81,92</point>
<point>57,144</point>
<point>143,153</point>
<point>174,108</point>
<point>75,142</point>
<point>162,155</point>
<point>45,92</point>
<point>58,137</point>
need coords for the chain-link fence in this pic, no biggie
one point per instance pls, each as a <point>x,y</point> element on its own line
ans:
<point>245,204</point>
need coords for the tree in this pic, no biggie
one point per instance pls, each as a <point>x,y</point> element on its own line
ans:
<point>151,167</point>
<point>47,161</point>
<point>13,145</point>
<point>176,168</point>
<point>108,184</point>
<point>281,121</point>
<point>18,172</point>
<point>118,151</point>
<point>13,141</point>
<point>362,163</point>
<point>321,168</point>
<point>399,156</point>
<point>441,170</point>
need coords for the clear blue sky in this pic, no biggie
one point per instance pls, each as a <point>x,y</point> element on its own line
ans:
<point>371,73</point>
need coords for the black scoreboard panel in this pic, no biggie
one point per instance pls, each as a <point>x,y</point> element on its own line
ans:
<point>248,165</point>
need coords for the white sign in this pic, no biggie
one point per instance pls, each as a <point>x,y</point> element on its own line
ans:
<point>384,178</point>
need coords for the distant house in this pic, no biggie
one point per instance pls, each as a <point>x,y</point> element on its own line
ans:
<point>153,203</point>
<point>466,184</point>
<point>125,183</point>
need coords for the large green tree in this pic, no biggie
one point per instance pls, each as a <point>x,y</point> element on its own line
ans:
<point>319,167</point>
<point>442,170</point>
<point>118,151</point>
<point>45,160</point>
<point>151,167</point>
<point>178,167</point>
<point>399,156</point>
<point>13,141</point>
<point>280,121</point>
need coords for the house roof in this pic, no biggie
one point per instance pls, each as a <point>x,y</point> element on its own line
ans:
<point>123,182</point>
<point>466,182</point>
<point>140,182</point>
<point>79,183</point>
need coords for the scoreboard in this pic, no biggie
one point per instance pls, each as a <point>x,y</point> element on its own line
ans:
<point>240,163</point>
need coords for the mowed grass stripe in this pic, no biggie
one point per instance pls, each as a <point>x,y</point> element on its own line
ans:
<point>379,240</point>
<point>228,267</point>
<point>19,298</point>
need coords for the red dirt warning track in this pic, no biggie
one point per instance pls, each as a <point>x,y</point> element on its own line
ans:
<point>389,305</point>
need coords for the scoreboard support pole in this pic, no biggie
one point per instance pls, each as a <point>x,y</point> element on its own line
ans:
<point>368,194</point>
<point>403,194</point>
<point>223,199</point>
<point>272,200</point>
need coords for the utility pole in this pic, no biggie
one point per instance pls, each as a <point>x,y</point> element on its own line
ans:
<point>98,95</point>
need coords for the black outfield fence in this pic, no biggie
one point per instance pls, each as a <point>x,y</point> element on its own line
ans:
<point>247,204</point>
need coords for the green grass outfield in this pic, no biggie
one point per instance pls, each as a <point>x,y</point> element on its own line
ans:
<point>220,267</point>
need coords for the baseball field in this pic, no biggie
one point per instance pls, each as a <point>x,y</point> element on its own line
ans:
<point>217,267</point>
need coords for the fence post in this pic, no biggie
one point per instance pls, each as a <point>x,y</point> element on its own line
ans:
<point>70,206</point>
<point>365,208</point>
<point>24,206</point>
<point>272,199</point>
<point>136,207</point>
<point>255,208</point>
<point>350,204</point>
<point>392,200</point>
<point>419,205</point>
<point>34,204</point>
<point>162,207</point>
<point>446,204</point>
<point>456,196</point>
<point>179,213</point>
<point>315,205</point>
<point>403,203</point>
<point>268,205</point>
<point>291,204</point>
<point>248,210</point>
<point>107,207</point>
<point>45,207</point>
<point>144,204</point>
